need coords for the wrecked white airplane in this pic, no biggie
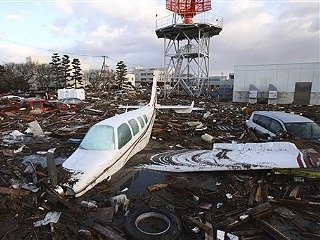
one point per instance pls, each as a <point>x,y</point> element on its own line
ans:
<point>109,144</point>
<point>234,156</point>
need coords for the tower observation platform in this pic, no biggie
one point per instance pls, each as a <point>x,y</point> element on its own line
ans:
<point>186,51</point>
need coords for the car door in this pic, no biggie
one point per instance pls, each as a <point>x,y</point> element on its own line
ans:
<point>262,125</point>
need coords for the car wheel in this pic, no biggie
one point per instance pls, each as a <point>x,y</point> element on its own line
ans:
<point>150,224</point>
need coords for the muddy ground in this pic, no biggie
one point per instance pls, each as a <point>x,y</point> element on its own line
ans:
<point>246,204</point>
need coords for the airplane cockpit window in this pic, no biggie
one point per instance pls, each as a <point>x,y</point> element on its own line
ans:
<point>99,137</point>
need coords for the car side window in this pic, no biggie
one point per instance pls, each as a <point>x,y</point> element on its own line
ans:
<point>275,126</point>
<point>263,121</point>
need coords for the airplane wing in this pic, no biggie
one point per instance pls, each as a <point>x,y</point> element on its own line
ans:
<point>230,157</point>
<point>176,108</point>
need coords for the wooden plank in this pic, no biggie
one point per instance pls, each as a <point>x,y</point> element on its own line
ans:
<point>208,235</point>
<point>106,231</point>
<point>10,191</point>
<point>256,212</point>
<point>271,230</point>
<point>295,191</point>
<point>201,225</point>
<point>157,187</point>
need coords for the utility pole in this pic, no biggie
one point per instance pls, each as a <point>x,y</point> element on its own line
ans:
<point>103,68</point>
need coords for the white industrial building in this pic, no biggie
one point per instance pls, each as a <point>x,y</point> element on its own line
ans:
<point>297,83</point>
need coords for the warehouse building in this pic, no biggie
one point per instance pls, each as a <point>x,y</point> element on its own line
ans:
<point>296,83</point>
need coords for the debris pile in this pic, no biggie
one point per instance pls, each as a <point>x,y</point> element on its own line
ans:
<point>261,204</point>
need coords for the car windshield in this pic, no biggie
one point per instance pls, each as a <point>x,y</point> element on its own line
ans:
<point>99,137</point>
<point>304,130</point>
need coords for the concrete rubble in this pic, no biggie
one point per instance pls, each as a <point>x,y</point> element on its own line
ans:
<point>248,204</point>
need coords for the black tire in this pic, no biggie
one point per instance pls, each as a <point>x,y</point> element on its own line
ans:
<point>151,224</point>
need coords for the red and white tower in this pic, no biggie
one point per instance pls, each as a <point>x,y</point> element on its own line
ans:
<point>186,36</point>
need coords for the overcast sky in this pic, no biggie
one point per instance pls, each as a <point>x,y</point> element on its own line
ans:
<point>254,32</point>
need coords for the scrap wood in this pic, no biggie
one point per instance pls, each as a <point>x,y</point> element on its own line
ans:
<point>245,234</point>
<point>56,196</point>
<point>8,224</point>
<point>10,191</point>
<point>295,191</point>
<point>203,226</point>
<point>275,233</point>
<point>290,202</point>
<point>256,212</point>
<point>208,235</point>
<point>311,235</point>
<point>252,135</point>
<point>106,231</point>
<point>157,187</point>
<point>53,232</point>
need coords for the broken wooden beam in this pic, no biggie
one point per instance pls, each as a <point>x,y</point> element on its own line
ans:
<point>204,227</point>
<point>291,202</point>
<point>157,187</point>
<point>106,232</point>
<point>271,230</point>
<point>11,191</point>
<point>57,196</point>
<point>258,211</point>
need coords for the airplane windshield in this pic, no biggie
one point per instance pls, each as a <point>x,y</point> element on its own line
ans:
<point>99,137</point>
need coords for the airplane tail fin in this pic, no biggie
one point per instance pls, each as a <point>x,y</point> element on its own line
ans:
<point>153,99</point>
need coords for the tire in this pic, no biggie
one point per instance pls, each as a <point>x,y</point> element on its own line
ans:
<point>151,224</point>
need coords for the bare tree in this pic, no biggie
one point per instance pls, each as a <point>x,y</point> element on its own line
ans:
<point>44,76</point>
<point>107,78</point>
<point>19,76</point>
<point>94,79</point>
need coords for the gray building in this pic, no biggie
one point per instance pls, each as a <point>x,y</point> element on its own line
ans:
<point>144,76</point>
<point>297,83</point>
<point>221,87</point>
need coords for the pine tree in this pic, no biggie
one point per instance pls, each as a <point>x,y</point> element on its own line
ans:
<point>121,72</point>
<point>77,75</point>
<point>66,70</point>
<point>57,70</point>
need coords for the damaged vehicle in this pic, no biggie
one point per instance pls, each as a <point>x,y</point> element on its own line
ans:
<point>108,145</point>
<point>42,104</point>
<point>275,123</point>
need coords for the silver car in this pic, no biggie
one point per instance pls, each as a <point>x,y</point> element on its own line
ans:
<point>273,123</point>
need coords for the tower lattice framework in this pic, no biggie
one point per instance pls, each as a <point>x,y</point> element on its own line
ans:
<point>187,51</point>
